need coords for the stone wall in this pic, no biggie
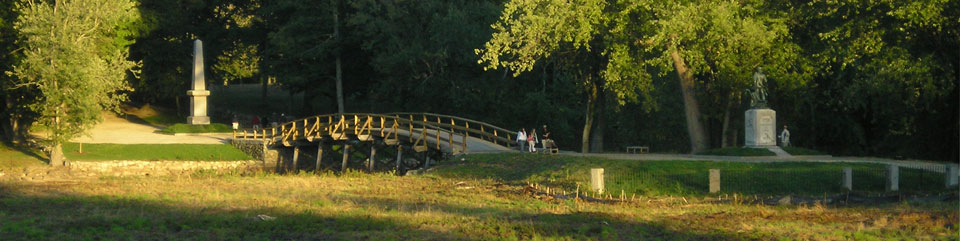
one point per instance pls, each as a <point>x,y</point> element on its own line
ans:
<point>270,157</point>
<point>158,168</point>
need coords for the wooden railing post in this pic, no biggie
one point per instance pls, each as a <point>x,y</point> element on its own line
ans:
<point>483,133</point>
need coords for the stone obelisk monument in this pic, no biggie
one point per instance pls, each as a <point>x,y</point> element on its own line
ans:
<point>198,95</point>
<point>760,121</point>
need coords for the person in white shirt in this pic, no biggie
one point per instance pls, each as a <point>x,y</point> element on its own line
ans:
<point>785,136</point>
<point>522,139</point>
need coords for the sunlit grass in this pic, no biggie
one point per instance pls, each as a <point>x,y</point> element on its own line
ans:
<point>360,206</point>
<point>12,156</point>
<point>151,152</point>
<point>684,178</point>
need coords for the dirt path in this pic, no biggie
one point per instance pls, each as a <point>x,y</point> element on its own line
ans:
<point>118,130</point>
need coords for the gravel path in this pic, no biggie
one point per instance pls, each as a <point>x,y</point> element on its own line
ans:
<point>117,130</point>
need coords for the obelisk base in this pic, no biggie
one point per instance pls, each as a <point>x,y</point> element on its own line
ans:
<point>198,107</point>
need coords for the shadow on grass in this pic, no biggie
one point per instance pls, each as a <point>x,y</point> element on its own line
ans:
<point>30,213</point>
<point>25,151</point>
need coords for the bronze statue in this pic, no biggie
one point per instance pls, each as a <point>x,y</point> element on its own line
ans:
<point>759,93</point>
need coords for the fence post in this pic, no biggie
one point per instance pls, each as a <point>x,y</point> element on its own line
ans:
<point>596,180</point>
<point>951,174</point>
<point>714,180</point>
<point>848,178</point>
<point>893,178</point>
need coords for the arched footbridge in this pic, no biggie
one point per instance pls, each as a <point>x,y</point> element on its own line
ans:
<point>421,135</point>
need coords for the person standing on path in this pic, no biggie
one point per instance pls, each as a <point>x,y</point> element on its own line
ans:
<point>785,137</point>
<point>532,139</point>
<point>522,139</point>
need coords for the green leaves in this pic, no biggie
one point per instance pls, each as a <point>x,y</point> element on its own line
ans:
<point>532,29</point>
<point>75,56</point>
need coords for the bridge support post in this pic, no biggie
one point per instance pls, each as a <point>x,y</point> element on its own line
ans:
<point>373,157</point>
<point>426,160</point>
<point>346,157</point>
<point>399,155</point>
<point>319,156</point>
<point>296,158</point>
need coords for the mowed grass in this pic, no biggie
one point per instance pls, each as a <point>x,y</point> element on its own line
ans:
<point>14,157</point>
<point>152,152</point>
<point>800,151</point>
<point>187,128</point>
<point>686,178</point>
<point>384,207</point>
<point>738,151</point>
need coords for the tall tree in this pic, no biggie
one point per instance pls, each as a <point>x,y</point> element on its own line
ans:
<point>888,76</point>
<point>75,55</point>
<point>690,38</point>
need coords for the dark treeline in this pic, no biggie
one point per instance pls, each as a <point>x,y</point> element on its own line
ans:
<point>876,79</point>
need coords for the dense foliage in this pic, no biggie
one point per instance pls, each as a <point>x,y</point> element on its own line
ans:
<point>849,77</point>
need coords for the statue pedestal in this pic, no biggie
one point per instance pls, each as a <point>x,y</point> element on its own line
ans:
<point>760,127</point>
<point>198,107</point>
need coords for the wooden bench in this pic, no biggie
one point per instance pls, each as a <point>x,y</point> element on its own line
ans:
<point>638,149</point>
<point>550,146</point>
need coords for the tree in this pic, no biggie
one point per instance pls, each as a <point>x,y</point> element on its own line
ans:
<point>888,77</point>
<point>695,39</point>
<point>74,52</point>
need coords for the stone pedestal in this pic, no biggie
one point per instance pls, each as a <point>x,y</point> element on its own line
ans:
<point>198,96</point>
<point>760,127</point>
<point>198,107</point>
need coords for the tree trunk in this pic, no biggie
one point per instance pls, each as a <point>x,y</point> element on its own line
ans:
<point>264,82</point>
<point>691,108</point>
<point>56,155</point>
<point>596,135</point>
<point>724,134</point>
<point>9,125</point>
<point>591,101</point>
<point>336,34</point>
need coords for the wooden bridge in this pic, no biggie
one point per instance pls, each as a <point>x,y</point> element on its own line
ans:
<point>426,134</point>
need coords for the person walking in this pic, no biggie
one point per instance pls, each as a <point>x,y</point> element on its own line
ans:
<point>785,137</point>
<point>522,139</point>
<point>532,139</point>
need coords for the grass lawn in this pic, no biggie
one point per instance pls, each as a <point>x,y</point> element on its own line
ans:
<point>800,151</point>
<point>12,157</point>
<point>151,152</point>
<point>186,128</point>
<point>738,151</point>
<point>384,207</point>
<point>685,178</point>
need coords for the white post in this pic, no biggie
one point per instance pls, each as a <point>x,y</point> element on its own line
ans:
<point>951,174</point>
<point>714,180</point>
<point>893,178</point>
<point>848,178</point>
<point>596,180</point>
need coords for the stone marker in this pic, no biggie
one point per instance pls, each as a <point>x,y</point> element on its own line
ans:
<point>714,180</point>
<point>198,95</point>
<point>848,178</point>
<point>596,180</point>
<point>893,178</point>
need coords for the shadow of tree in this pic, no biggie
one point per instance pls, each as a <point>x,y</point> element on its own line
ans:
<point>28,213</point>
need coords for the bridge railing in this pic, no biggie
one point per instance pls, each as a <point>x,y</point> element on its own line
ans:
<point>419,126</point>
